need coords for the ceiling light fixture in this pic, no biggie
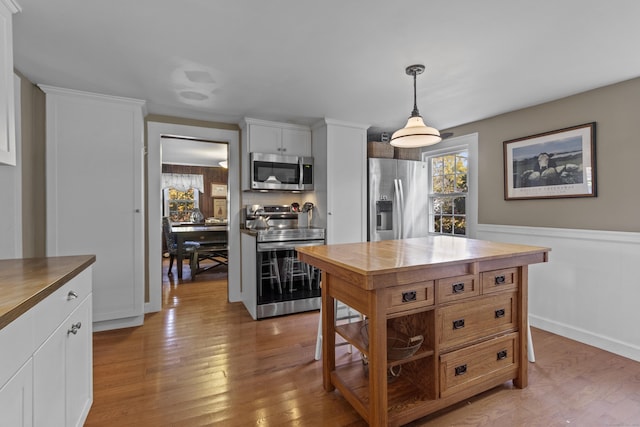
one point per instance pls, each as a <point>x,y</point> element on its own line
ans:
<point>415,133</point>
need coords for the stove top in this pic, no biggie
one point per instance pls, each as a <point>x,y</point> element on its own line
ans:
<point>288,234</point>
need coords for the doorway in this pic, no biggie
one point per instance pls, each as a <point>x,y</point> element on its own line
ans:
<point>155,133</point>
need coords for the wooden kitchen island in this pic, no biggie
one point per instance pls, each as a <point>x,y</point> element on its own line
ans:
<point>467,298</point>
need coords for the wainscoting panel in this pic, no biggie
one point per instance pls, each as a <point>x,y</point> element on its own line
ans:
<point>589,290</point>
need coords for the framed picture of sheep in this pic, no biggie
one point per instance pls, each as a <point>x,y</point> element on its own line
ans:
<point>555,164</point>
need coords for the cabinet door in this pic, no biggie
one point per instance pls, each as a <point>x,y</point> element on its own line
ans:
<point>7,112</point>
<point>48,380</point>
<point>94,195</point>
<point>79,365</point>
<point>265,139</point>
<point>346,186</point>
<point>296,142</point>
<point>63,372</point>
<point>16,399</point>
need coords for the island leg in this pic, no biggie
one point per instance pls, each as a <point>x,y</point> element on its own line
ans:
<point>328,333</point>
<point>522,380</point>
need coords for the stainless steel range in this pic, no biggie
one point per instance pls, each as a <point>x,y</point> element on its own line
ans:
<point>274,281</point>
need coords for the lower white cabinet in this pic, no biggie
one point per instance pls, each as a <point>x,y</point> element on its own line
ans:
<point>46,360</point>
<point>16,399</point>
<point>62,372</point>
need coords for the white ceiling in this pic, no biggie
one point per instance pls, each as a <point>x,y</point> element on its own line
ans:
<point>298,61</point>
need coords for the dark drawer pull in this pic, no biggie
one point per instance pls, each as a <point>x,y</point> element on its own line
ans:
<point>461,370</point>
<point>500,313</point>
<point>500,280</point>
<point>501,355</point>
<point>458,324</point>
<point>457,288</point>
<point>409,296</point>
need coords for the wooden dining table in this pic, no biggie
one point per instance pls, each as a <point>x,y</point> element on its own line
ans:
<point>204,234</point>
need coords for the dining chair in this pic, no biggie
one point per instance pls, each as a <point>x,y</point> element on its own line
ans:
<point>188,247</point>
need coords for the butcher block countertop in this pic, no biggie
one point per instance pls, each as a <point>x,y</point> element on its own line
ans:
<point>379,264</point>
<point>26,282</point>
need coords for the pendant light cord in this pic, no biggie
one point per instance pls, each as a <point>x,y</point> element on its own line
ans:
<point>415,112</point>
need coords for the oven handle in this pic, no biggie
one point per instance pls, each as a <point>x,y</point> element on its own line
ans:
<point>279,246</point>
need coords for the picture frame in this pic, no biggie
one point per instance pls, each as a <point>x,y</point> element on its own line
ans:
<point>556,164</point>
<point>220,208</point>
<point>218,190</point>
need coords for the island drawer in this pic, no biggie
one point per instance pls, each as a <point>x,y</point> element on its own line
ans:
<point>458,287</point>
<point>499,280</point>
<point>409,297</point>
<point>478,363</point>
<point>478,318</point>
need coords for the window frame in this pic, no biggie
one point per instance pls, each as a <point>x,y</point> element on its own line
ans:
<point>468,143</point>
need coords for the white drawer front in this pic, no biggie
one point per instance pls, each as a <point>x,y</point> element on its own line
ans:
<point>57,306</point>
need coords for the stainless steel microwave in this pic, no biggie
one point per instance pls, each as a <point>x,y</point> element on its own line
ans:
<point>276,172</point>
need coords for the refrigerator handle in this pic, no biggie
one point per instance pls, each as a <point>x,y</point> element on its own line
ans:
<point>399,199</point>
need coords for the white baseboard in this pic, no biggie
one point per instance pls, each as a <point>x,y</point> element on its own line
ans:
<point>128,322</point>
<point>589,290</point>
<point>605,343</point>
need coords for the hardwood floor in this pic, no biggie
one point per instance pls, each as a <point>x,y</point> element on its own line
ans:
<point>203,361</point>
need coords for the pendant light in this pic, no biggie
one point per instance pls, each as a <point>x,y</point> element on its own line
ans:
<point>415,133</point>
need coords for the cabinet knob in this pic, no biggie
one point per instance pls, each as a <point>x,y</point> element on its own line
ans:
<point>409,296</point>
<point>461,370</point>
<point>71,295</point>
<point>74,328</point>
<point>457,288</point>
<point>458,324</point>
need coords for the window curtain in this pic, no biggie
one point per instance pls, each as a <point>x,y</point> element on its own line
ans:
<point>183,181</point>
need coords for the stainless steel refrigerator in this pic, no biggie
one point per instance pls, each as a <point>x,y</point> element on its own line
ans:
<point>398,202</point>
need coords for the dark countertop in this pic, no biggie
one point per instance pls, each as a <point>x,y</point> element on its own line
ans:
<point>26,282</point>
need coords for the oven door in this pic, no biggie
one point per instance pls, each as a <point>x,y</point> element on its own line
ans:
<point>284,283</point>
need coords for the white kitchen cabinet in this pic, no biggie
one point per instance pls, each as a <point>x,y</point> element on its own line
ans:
<point>16,399</point>
<point>63,380</point>
<point>277,138</point>
<point>340,180</point>
<point>94,159</point>
<point>46,370</point>
<point>7,107</point>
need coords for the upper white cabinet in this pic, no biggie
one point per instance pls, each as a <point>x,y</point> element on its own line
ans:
<point>94,159</point>
<point>277,138</point>
<point>7,108</point>
<point>260,136</point>
<point>340,180</point>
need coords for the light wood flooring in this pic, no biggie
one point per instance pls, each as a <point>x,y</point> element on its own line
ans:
<point>202,361</point>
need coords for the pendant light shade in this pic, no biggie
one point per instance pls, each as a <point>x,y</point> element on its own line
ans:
<point>415,133</point>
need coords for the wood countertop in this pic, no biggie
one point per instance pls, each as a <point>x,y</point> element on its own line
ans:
<point>378,264</point>
<point>26,282</point>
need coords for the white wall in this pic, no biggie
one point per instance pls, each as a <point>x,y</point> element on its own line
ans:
<point>11,194</point>
<point>589,290</point>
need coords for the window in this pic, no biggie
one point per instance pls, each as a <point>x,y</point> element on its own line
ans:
<point>448,193</point>
<point>452,188</point>
<point>178,204</point>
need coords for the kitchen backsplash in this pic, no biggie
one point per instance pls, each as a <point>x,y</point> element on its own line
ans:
<point>276,198</point>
